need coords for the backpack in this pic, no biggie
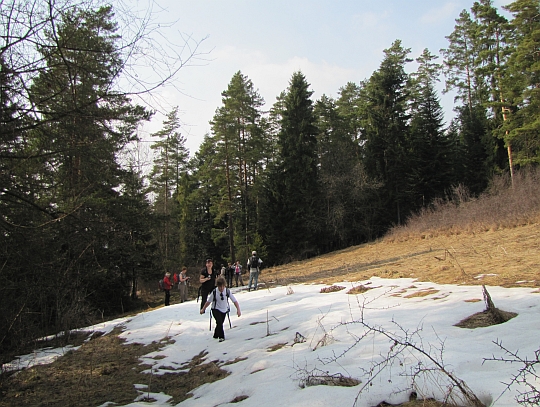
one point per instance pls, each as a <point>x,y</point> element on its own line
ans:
<point>254,262</point>
<point>227,292</point>
<point>161,285</point>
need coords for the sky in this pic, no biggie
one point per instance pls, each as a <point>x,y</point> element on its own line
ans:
<point>332,42</point>
<point>333,341</point>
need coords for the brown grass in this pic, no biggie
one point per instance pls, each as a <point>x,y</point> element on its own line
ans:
<point>103,369</point>
<point>505,257</point>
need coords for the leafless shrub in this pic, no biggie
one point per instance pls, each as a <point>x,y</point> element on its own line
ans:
<point>501,206</point>
<point>430,368</point>
<point>526,375</point>
<point>326,339</point>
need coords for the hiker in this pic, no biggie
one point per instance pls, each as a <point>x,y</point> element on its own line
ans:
<point>254,264</point>
<point>223,270</point>
<point>219,298</point>
<point>207,280</point>
<point>238,273</point>
<point>229,274</point>
<point>167,285</point>
<point>182,284</point>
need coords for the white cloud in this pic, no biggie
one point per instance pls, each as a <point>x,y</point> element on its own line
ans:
<point>441,14</point>
<point>323,77</point>
<point>368,19</point>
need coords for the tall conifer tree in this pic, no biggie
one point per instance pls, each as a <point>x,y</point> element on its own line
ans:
<point>387,133</point>
<point>293,210</point>
<point>522,129</point>
<point>239,136</point>
<point>170,162</point>
<point>430,169</point>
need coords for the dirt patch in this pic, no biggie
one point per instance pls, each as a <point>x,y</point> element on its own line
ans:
<point>232,362</point>
<point>359,289</point>
<point>485,318</point>
<point>238,399</point>
<point>331,380</point>
<point>422,293</point>
<point>417,403</point>
<point>276,347</point>
<point>102,369</point>
<point>332,289</point>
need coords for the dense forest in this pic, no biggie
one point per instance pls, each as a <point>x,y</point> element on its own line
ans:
<point>81,225</point>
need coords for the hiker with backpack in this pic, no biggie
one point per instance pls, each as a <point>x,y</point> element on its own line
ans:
<point>207,280</point>
<point>219,298</point>
<point>182,284</point>
<point>254,264</point>
<point>167,285</point>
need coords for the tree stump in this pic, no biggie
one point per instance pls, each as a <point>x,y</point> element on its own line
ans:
<point>498,317</point>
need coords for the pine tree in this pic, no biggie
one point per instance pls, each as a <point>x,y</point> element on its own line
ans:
<point>521,130</point>
<point>472,67</point>
<point>459,61</point>
<point>293,210</point>
<point>387,130</point>
<point>83,128</point>
<point>493,33</point>
<point>430,169</point>
<point>238,131</point>
<point>169,165</point>
<point>345,189</point>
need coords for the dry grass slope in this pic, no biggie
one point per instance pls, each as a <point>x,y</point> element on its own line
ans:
<point>490,240</point>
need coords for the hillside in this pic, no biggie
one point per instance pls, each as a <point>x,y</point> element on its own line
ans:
<point>507,257</point>
<point>493,239</point>
<point>109,367</point>
<point>496,249</point>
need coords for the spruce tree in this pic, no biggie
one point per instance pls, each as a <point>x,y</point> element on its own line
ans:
<point>170,163</point>
<point>521,130</point>
<point>345,188</point>
<point>430,169</point>
<point>293,221</point>
<point>386,146</point>
<point>87,127</point>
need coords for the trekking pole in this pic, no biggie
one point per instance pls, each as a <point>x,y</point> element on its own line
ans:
<point>229,317</point>
<point>210,320</point>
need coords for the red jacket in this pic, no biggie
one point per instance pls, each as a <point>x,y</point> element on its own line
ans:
<point>167,284</point>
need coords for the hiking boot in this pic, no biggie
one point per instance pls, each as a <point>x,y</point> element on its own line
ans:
<point>221,339</point>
